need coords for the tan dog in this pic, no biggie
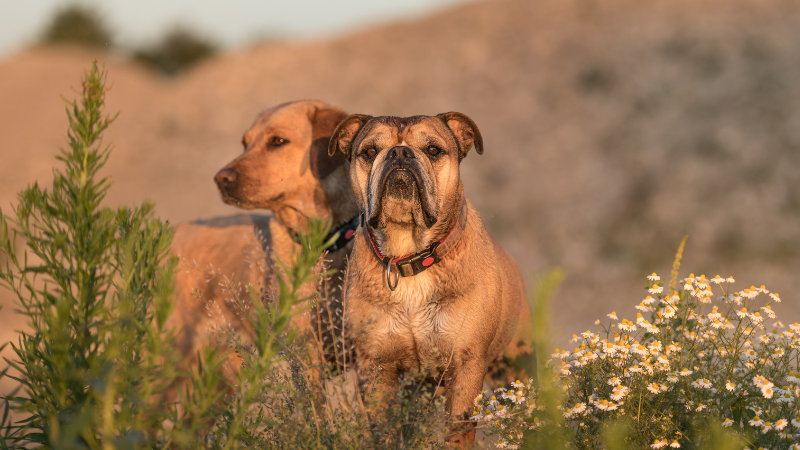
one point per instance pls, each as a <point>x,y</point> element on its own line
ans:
<point>285,168</point>
<point>426,286</point>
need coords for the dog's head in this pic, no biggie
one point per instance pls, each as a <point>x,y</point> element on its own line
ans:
<point>405,171</point>
<point>285,157</point>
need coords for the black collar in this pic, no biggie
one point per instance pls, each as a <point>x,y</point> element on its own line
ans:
<point>346,233</point>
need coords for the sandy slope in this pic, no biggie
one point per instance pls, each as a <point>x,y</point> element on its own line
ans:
<point>612,128</point>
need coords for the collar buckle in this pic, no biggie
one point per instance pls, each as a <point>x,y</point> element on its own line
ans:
<point>418,262</point>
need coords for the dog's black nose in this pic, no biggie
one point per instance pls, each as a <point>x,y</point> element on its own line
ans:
<point>225,177</point>
<point>400,152</point>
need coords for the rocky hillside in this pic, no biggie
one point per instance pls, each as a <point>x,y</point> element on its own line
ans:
<point>612,128</point>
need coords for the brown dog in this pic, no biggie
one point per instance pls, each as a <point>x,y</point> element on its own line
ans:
<point>426,286</point>
<point>285,168</point>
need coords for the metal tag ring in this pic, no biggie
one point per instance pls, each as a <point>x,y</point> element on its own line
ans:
<point>389,276</point>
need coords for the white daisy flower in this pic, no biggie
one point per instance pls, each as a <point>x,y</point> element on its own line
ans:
<point>627,325</point>
<point>730,386</point>
<point>767,392</point>
<point>756,422</point>
<point>747,293</point>
<point>648,300</point>
<point>717,280</point>
<point>653,277</point>
<point>727,423</point>
<point>606,405</point>
<point>685,372</point>
<point>613,315</point>
<point>675,444</point>
<point>672,377</point>
<point>618,393</point>
<point>656,289</point>
<point>780,424</point>
<point>775,297</point>
<point>639,349</point>
<point>659,444</point>
<point>749,354</point>
<point>673,347</point>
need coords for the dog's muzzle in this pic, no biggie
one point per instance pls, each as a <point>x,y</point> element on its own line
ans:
<point>402,177</point>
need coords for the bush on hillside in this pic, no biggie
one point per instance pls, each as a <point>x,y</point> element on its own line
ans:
<point>176,51</point>
<point>77,24</point>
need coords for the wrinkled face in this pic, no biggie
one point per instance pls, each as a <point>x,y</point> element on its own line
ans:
<point>285,155</point>
<point>405,170</point>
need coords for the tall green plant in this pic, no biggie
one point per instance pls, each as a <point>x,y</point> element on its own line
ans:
<point>95,286</point>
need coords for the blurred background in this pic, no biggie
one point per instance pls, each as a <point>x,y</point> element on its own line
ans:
<point>612,127</point>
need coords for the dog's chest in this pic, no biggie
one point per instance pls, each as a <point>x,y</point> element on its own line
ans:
<point>415,321</point>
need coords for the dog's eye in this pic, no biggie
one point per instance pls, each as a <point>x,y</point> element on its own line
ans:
<point>433,150</point>
<point>370,152</point>
<point>277,141</point>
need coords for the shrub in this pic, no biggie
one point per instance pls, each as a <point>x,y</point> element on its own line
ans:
<point>703,360</point>
<point>176,51</point>
<point>77,24</point>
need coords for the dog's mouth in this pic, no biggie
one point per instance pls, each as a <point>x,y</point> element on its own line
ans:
<point>402,198</point>
<point>239,199</point>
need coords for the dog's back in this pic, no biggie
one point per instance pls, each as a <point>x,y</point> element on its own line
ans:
<point>219,258</point>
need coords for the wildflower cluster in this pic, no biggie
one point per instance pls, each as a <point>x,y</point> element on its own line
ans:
<point>699,356</point>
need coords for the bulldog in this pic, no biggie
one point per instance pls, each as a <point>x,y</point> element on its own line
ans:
<point>426,287</point>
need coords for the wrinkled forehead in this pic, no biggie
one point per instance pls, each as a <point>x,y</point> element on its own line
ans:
<point>395,130</point>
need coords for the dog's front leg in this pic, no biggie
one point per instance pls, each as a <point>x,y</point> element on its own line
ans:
<point>461,388</point>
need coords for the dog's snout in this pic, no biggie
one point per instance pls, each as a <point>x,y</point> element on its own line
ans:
<point>400,152</point>
<point>225,177</point>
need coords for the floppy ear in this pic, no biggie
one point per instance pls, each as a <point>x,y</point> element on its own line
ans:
<point>345,133</point>
<point>323,122</point>
<point>465,132</point>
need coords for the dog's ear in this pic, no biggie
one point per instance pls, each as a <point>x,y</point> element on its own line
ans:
<point>345,133</point>
<point>465,132</point>
<point>323,123</point>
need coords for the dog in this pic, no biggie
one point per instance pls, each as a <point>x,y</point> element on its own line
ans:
<point>285,168</point>
<point>427,286</point>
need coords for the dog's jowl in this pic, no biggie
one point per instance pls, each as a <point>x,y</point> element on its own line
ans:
<point>427,287</point>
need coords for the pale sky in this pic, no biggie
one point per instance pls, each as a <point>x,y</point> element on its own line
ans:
<point>230,23</point>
